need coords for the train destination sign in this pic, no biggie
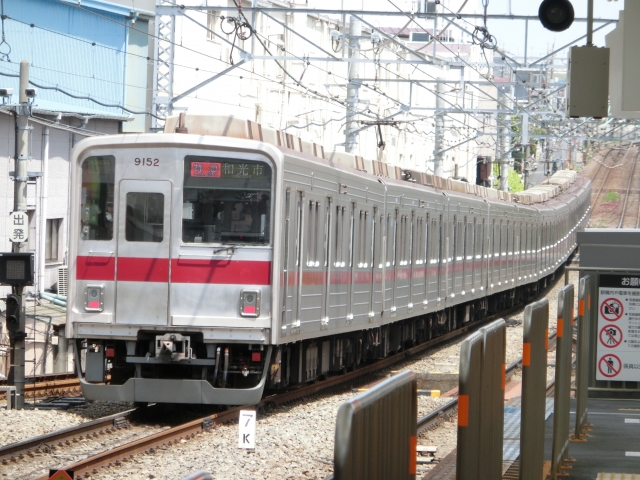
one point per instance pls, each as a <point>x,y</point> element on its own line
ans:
<point>228,170</point>
<point>618,357</point>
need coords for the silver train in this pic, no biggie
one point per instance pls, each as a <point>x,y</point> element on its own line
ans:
<point>226,260</point>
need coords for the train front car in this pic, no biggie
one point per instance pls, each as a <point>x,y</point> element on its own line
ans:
<point>171,267</point>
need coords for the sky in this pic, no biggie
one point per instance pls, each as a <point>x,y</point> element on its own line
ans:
<point>510,34</point>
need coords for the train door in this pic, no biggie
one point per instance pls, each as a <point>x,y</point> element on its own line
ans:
<point>390,258</point>
<point>457,267</point>
<point>469,229</point>
<point>418,261</point>
<point>143,253</point>
<point>361,293</point>
<point>443,252</point>
<point>504,246</point>
<point>376,265</point>
<point>338,295</point>
<point>288,278</point>
<point>310,304</point>
<point>494,254</point>
<point>433,263</point>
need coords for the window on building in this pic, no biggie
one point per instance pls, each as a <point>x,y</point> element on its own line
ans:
<point>52,240</point>
<point>213,19</point>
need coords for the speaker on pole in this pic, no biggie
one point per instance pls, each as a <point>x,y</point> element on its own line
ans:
<point>556,15</point>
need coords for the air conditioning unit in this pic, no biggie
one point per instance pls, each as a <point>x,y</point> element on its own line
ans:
<point>63,280</point>
<point>420,37</point>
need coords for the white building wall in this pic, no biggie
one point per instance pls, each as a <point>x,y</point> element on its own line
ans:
<point>60,144</point>
<point>260,91</point>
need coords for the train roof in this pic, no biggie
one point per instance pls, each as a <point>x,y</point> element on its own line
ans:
<point>230,126</point>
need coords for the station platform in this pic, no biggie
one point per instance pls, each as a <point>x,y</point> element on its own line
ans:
<point>611,452</point>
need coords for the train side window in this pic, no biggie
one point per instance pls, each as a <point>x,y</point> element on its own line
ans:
<point>468,244</point>
<point>299,229</point>
<point>363,251</point>
<point>96,198</point>
<point>313,233</point>
<point>377,238</point>
<point>145,217</point>
<point>339,238</point>
<point>391,236</point>
<point>418,242</point>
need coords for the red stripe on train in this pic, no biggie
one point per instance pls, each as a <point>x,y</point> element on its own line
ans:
<point>96,268</point>
<point>229,272</point>
<point>132,269</point>
<point>235,272</point>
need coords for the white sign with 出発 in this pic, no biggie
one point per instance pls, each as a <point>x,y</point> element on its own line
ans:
<point>18,227</point>
<point>618,337</point>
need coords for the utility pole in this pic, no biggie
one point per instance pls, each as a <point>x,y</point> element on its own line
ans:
<point>353,87</point>
<point>524,130</point>
<point>506,146</point>
<point>17,337</point>
<point>438,160</point>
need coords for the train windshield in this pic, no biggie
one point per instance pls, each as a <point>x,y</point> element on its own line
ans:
<point>96,202</point>
<point>226,201</point>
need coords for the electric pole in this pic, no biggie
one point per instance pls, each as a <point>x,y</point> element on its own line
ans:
<point>353,87</point>
<point>18,335</point>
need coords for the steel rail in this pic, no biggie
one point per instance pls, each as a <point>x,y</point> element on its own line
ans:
<point>64,434</point>
<point>594,202</point>
<point>190,429</point>
<point>447,409</point>
<point>626,196</point>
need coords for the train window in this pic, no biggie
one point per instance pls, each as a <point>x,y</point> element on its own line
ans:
<point>391,240</point>
<point>363,251</point>
<point>96,198</point>
<point>401,241</point>
<point>339,238</point>
<point>434,242</point>
<point>145,217</point>
<point>479,239</point>
<point>226,201</point>
<point>312,237</point>
<point>468,244</point>
<point>418,242</point>
<point>299,229</point>
<point>377,238</point>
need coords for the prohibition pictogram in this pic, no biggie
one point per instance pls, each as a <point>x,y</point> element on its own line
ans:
<point>611,309</point>
<point>611,336</point>
<point>609,365</point>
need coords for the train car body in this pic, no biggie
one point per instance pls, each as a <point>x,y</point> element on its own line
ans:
<point>206,268</point>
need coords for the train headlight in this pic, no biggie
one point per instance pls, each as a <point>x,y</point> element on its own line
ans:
<point>94,298</point>
<point>250,303</point>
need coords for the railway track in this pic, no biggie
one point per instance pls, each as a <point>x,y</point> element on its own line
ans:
<point>55,384</point>
<point>24,451</point>
<point>614,195</point>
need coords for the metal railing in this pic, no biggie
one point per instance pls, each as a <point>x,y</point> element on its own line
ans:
<point>562,393</point>
<point>582,353</point>
<point>481,403</point>
<point>535,343</point>
<point>376,432</point>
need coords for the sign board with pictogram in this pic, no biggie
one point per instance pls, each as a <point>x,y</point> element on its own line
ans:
<point>618,352</point>
<point>611,336</point>
<point>609,365</point>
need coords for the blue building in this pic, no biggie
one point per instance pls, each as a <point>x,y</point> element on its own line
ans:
<point>92,64</point>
